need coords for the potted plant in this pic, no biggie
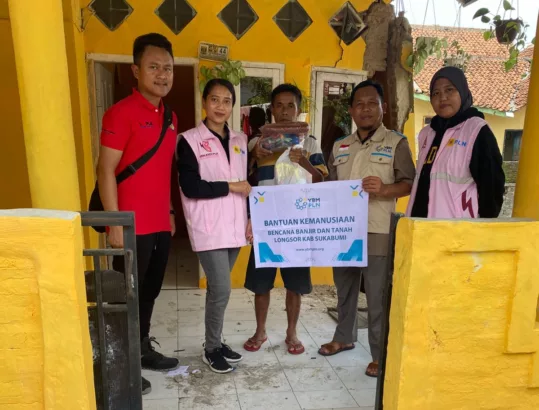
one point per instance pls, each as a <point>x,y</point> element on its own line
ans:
<point>509,31</point>
<point>227,70</point>
<point>505,29</point>
<point>452,54</point>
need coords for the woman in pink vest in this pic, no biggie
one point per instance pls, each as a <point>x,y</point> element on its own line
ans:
<point>212,166</point>
<point>459,170</point>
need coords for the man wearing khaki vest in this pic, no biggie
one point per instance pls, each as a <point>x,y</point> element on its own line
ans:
<point>382,159</point>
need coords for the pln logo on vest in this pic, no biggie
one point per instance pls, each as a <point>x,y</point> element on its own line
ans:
<point>456,142</point>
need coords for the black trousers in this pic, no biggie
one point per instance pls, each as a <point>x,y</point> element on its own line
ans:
<point>152,259</point>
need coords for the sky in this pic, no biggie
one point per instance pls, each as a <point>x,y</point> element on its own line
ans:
<point>444,12</point>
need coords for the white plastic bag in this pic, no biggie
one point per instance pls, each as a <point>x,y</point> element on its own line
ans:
<point>288,172</point>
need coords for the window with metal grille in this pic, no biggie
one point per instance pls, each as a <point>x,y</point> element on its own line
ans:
<point>238,16</point>
<point>347,24</point>
<point>111,13</point>
<point>176,14</point>
<point>293,20</point>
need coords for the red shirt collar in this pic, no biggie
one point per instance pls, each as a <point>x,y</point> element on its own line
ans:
<point>145,103</point>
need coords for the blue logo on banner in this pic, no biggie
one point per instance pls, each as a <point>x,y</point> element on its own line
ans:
<point>355,253</point>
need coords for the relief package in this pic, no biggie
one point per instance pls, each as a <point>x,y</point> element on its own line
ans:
<point>284,137</point>
<point>279,137</point>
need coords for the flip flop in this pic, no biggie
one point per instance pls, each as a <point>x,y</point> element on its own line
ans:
<point>295,348</point>
<point>372,370</point>
<point>248,345</point>
<point>341,349</point>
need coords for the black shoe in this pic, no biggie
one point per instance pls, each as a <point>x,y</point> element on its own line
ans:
<point>230,355</point>
<point>153,360</point>
<point>146,386</point>
<point>217,362</point>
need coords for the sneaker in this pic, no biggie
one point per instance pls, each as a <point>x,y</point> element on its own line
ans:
<point>217,362</point>
<point>146,386</point>
<point>153,360</point>
<point>230,355</point>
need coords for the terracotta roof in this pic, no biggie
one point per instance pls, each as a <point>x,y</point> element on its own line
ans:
<point>470,39</point>
<point>527,52</point>
<point>491,86</point>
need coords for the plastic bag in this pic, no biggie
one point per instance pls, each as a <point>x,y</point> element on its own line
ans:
<point>288,172</point>
<point>279,137</point>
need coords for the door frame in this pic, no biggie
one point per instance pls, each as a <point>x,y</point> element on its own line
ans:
<point>330,74</point>
<point>275,71</point>
<point>92,58</point>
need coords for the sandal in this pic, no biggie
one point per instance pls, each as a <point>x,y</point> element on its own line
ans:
<point>329,347</point>
<point>372,370</point>
<point>295,348</point>
<point>254,345</point>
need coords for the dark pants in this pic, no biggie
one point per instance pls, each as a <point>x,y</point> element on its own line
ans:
<point>152,259</point>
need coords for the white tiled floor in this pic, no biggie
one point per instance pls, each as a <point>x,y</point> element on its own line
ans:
<point>268,379</point>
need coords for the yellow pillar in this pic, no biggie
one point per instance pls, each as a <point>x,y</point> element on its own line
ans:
<point>40,56</point>
<point>527,187</point>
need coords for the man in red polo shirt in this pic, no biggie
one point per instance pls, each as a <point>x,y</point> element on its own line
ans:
<point>130,129</point>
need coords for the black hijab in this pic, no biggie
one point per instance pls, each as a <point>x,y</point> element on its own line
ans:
<point>458,79</point>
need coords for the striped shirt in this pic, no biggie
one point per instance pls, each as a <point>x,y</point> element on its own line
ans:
<point>265,167</point>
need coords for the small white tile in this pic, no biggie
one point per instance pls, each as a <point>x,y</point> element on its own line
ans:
<point>364,397</point>
<point>239,327</point>
<point>240,314</point>
<point>161,404</point>
<point>354,378</point>
<point>261,379</point>
<point>162,387</point>
<point>314,379</point>
<point>225,402</point>
<point>191,329</point>
<point>336,399</point>
<point>273,401</point>
<point>192,316</point>
<point>164,324</point>
<point>167,301</point>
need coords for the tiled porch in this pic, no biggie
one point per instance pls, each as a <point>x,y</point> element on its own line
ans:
<point>269,379</point>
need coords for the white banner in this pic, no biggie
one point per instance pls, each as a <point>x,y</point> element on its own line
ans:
<point>321,224</point>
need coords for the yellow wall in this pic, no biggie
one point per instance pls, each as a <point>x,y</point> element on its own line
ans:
<point>45,350</point>
<point>14,186</point>
<point>264,42</point>
<point>497,124</point>
<point>464,331</point>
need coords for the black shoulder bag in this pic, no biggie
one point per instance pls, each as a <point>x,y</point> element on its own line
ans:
<point>95,199</point>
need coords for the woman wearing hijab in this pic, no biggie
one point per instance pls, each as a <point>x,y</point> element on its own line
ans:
<point>459,170</point>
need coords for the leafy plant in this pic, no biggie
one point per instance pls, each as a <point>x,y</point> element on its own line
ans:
<point>433,46</point>
<point>228,70</point>
<point>508,31</point>
<point>261,87</point>
<point>342,115</point>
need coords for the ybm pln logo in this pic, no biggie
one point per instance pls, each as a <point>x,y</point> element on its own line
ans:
<point>307,203</point>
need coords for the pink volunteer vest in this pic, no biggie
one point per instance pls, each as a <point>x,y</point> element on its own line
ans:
<point>217,223</point>
<point>453,192</point>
